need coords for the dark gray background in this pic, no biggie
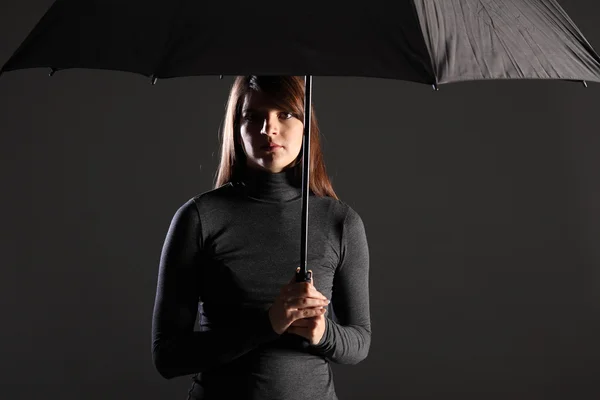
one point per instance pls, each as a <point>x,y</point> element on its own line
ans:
<point>480,202</point>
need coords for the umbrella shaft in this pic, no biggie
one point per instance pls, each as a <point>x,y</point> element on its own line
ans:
<point>303,274</point>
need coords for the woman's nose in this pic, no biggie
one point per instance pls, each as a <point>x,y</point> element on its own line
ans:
<point>270,124</point>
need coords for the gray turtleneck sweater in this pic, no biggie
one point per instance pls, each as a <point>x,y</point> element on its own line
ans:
<point>226,255</point>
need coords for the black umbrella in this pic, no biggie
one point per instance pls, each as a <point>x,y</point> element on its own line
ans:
<point>426,41</point>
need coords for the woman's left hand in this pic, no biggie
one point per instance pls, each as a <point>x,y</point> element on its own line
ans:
<point>311,328</point>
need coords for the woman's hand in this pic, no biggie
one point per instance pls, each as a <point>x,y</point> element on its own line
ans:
<point>310,328</point>
<point>296,300</point>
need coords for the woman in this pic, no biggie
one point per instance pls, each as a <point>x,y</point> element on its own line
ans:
<point>230,257</point>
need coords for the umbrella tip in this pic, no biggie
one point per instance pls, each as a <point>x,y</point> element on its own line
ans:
<point>435,87</point>
<point>52,71</point>
<point>153,79</point>
<point>584,84</point>
<point>220,76</point>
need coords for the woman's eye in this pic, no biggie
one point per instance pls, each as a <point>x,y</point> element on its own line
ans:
<point>284,115</point>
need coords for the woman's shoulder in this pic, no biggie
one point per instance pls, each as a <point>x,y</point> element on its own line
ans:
<point>344,207</point>
<point>214,194</point>
<point>350,216</point>
<point>201,205</point>
<point>210,199</point>
<point>340,211</point>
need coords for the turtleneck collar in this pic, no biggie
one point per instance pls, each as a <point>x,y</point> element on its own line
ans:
<point>270,187</point>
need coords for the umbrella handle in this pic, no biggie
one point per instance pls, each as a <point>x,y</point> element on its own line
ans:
<point>301,277</point>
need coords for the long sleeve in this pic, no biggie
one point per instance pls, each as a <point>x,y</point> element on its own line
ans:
<point>348,341</point>
<point>177,349</point>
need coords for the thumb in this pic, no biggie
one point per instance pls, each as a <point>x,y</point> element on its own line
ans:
<point>293,280</point>
<point>298,270</point>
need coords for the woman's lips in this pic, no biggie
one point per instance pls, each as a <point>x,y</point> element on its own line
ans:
<point>272,147</point>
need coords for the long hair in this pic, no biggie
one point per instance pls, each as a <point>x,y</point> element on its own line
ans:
<point>287,93</point>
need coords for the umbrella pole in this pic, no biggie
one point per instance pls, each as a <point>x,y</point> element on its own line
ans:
<point>302,275</point>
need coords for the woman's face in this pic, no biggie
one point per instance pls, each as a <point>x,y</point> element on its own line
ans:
<point>261,124</point>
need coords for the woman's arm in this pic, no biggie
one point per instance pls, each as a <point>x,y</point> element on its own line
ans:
<point>348,341</point>
<point>177,349</point>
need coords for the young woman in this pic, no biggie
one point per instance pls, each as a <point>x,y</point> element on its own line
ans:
<point>231,254</point>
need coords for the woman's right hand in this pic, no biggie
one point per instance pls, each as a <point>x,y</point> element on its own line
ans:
<point>296,300</point>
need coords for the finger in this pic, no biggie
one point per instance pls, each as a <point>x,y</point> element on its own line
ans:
<point>301,291</point>
<point>313,290</point>
<point>293,285</point>
<point>293,280</point>
<point>306,321</point>
<point>316,294</point>
<point>312,312</point>
<point>308,303</point>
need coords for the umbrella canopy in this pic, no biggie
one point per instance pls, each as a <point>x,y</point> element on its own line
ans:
<point>426,41</point>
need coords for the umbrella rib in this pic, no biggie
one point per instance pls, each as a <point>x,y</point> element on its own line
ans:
<point>168,48</point>
<point>543,32</point>
<point>462,11</point>
<point>428,45</point>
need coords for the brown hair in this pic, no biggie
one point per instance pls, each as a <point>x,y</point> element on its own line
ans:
<point>287,93</point>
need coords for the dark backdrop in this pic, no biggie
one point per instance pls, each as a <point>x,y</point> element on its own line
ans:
<point>480,202</point>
